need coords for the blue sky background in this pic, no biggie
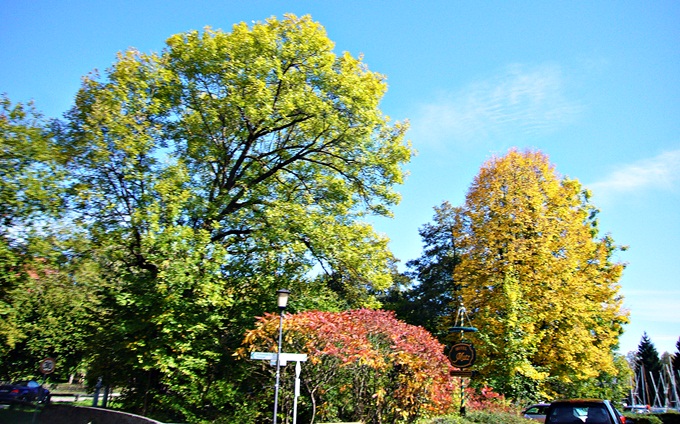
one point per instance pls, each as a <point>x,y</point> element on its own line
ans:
<point>595,85</point>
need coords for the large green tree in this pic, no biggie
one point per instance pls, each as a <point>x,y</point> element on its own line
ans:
<point>536,278</point>
<point>214,172</point>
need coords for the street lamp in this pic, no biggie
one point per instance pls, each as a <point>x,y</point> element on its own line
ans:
<point>282,300</point>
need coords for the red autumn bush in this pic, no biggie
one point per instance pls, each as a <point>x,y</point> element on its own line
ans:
<point>363,365</point>
<point>485,399</point>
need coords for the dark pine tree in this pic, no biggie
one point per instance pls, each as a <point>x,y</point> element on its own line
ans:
<point>431,297</point>
<point>648,369</point>
<point>676,358</point>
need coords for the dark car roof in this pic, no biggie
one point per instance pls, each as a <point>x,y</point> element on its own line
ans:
<point>580,401</point>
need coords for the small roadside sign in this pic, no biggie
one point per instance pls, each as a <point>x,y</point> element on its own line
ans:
<point>48,365</point>
<point>456,373</point>
<point>285,357</point>
<point>297,357</point>
<point>266,356</point>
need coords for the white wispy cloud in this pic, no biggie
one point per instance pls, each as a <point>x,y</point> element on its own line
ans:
<point>520,100</point>
<point>661,172</point>
<point>646,293</point>
<point>660,308</point>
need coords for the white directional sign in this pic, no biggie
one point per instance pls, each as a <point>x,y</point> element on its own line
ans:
<point>297,357</point>
<point>267,356</point>
<point>285,357</point>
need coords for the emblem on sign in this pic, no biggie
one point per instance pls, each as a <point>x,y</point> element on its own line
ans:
<point>462,355</point>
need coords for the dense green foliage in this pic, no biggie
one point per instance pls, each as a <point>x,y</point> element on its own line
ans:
<point>45,296</point>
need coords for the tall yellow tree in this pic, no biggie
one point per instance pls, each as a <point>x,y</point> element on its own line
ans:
<point>536,278</point>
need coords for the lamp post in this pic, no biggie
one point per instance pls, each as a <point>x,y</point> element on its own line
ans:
<point>282,299</point>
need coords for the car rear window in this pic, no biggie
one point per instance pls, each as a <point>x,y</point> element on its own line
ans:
<point>578,414</point>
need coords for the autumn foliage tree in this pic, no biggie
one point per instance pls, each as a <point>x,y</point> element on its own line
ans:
<point>535,276</point>
<point>364,365</point>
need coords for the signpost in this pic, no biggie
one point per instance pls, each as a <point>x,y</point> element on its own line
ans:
<point>462,355</point>
<point>47,366</point>
<point>283,361</point>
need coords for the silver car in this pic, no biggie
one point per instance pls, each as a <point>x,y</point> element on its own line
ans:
<point>536,412</point>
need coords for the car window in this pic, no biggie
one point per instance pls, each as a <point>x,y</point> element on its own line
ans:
<point>536,409</point>
<point>581,412</point>
<point>567,414</point>
<point>562,415</point>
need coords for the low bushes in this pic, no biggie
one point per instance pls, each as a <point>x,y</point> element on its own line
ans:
<point>642,419</point>
<point>480,417</point>
<point>667,418</point>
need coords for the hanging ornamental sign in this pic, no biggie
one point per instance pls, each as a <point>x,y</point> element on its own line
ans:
<point>462,355</point>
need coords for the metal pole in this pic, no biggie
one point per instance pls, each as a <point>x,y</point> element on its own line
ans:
<point>298,369</point>
<point>95,397</point>
<point>105,398</point>
<point>278,368</point>
<point>462,396</point>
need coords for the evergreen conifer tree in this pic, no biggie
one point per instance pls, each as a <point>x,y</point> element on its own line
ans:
<point>676,358</point>
<point>648,368</point>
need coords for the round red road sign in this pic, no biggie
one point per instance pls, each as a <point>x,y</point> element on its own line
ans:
<point>48,365</point>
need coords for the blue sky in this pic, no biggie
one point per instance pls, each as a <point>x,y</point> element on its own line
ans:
<point>595,85</point>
